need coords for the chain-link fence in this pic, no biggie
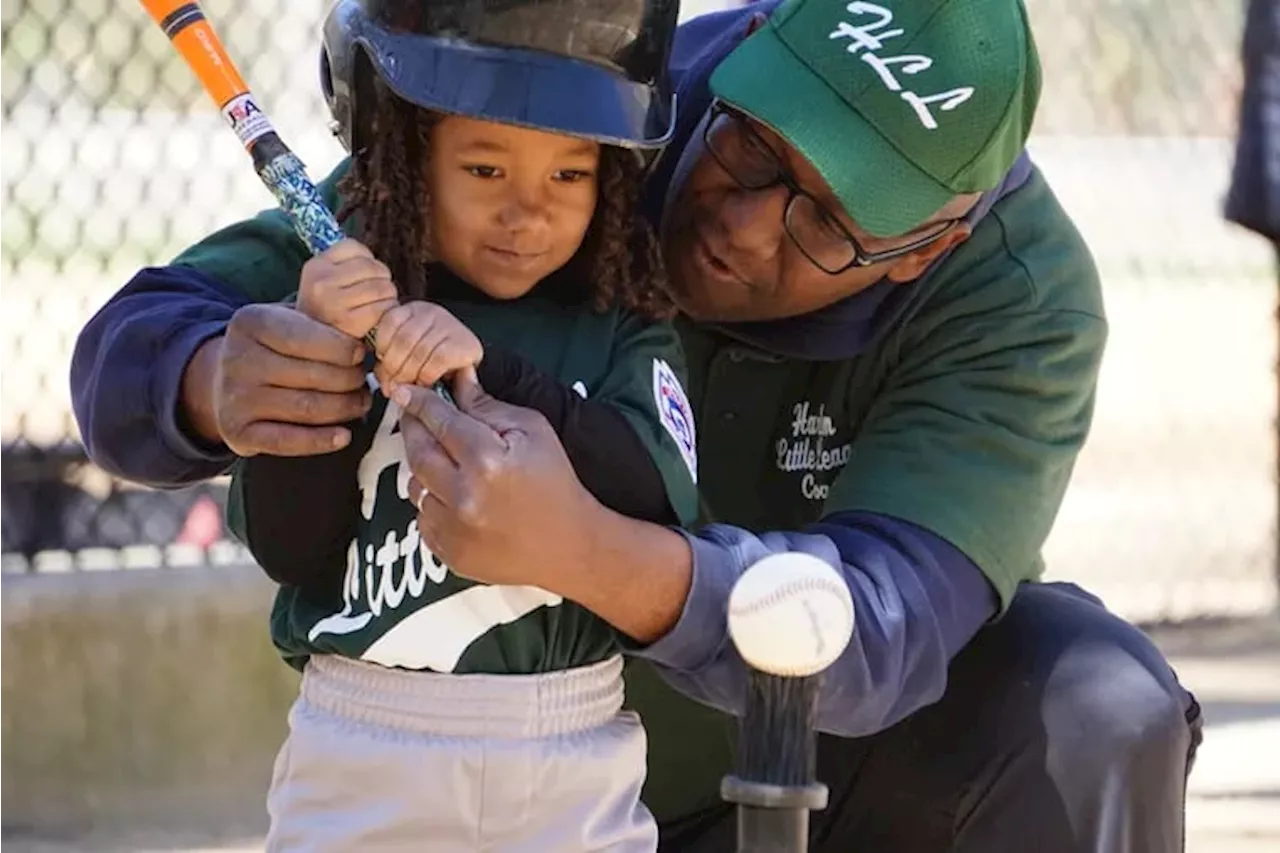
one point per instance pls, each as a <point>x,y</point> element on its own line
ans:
<point>113,158</point>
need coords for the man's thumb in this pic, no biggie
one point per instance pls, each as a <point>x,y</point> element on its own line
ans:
<point>499,416</point>
<point>466,388</point>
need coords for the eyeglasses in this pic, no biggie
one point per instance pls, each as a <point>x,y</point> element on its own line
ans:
<point>754,165</point>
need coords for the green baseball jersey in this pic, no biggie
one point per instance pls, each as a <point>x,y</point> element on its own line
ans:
<point>963,415</point>
<point>399,605</point>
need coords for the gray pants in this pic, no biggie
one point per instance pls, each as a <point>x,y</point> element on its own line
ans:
<point>381,759</point>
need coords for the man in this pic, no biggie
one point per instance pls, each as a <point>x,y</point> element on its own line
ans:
<point>893,334</point>
<point>1253,200</point>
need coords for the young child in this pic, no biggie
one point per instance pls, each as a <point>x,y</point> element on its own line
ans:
<point>494,173</point>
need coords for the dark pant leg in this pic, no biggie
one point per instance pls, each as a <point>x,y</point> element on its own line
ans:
<point>1062,729</point>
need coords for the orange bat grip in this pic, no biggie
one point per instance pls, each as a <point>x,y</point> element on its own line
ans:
<point>194,37</point>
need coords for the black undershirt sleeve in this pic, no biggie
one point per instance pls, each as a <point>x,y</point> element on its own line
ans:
<point>301,512</point>
<point>608,456</point>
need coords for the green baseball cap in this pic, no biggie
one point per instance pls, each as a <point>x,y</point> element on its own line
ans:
<point>900,105</point>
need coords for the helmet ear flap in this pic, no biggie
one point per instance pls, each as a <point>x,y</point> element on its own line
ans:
<point>339,108</point>
<point>337,53</point>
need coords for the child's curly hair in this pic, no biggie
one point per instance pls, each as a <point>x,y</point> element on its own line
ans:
<point>619,256</point>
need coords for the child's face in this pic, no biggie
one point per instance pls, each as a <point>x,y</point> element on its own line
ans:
<point>509,205</point>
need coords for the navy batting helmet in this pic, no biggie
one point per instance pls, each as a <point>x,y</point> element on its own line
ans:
<point>589,68</point>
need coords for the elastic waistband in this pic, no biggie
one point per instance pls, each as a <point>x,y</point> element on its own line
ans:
<point>512,706</point>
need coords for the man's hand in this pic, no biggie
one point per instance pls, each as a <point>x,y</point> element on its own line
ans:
<point>347,288</point>
<point>502,504</point>
<point>499,502</point>
<point>278,382</point>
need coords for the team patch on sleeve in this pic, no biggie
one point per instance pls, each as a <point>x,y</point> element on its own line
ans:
<point>675,413</point>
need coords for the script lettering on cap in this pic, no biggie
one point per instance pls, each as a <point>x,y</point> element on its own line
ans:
<point>869,37</point>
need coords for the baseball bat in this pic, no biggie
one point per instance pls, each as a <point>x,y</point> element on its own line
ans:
<point>280,169</point>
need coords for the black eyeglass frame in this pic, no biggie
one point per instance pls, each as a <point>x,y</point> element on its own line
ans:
<point>860,256</point>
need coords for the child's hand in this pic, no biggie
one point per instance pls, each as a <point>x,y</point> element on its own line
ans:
<point>420,343</point>
<point>347,288</point>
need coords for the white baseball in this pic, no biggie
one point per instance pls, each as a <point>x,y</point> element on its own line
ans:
<point>790,614</point>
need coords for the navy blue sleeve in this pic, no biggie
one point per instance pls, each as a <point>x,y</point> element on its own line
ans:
<point>917,599</point>
<point>126,375</point>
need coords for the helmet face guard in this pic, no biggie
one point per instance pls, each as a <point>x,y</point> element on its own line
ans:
<point>594,69</point>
